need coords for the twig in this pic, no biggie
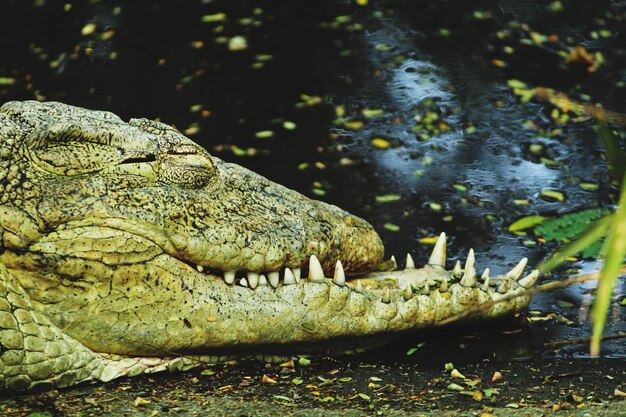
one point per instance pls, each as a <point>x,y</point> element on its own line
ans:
<point>568,342</point>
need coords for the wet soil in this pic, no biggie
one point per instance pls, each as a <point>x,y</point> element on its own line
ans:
<point>399,111</point>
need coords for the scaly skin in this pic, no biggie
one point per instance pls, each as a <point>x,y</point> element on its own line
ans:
<point>120,243</point>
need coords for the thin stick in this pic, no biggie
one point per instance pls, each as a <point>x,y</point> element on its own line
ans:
<point>568,342</point>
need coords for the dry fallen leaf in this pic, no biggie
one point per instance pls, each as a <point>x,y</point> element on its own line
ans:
<point>139,401</point>
<point>619,393</point>
<point>267,380</point>
<point>497,376</point>
<point>456,374</point>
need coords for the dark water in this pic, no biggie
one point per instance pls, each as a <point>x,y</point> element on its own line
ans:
<point>309,71</point>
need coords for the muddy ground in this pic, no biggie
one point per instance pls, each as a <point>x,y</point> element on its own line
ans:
<point>340,387</point>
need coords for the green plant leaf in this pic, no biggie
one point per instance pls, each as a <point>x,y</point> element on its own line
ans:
<point>595,232</point>
<point>569,226</point>
<point>615,155</point>
<point>616,250</point>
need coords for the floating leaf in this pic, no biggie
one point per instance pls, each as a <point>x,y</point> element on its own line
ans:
<point>264,134</point>
<point>460,187</point>
<point>553,195</point>
<point>289,125</point>
<point>526,222</point>
<point>210,18</point>
<point>387,198</point>
<point>372,112</point>
<point>381,143</point>
<point>88,29</point>
<point>392,227</point>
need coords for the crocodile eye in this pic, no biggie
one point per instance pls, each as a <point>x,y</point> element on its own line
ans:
<point>189,170</point>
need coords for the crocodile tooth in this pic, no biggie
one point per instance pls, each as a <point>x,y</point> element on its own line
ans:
<point>409,262</point>
<point>243,282</point>
<point>393,262</point>
<point>426,289</point>
<point>229,277</point>
<point>359,286</point>
<point>253,279</point>
<point>518,270</point>
<point>438,257</point>
<point>529,279</point>
<point>443,287</point>
<point>408,293</point>
<point>263,281</point>
<point>485,275</point>
<point>274,278</point>
<point>386,296</point>
<point>316,273</point>
<point>297,273</point>
<point>200,268</point>
<point>457,271</point>
<point>289,278</point>
<point>340,277</point>
<point>485,278</point>
<point>469,275</point>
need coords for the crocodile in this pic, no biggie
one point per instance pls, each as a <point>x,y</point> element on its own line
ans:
<point>126,248</point>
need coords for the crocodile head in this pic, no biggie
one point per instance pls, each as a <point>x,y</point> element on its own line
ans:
<point>130,239</point>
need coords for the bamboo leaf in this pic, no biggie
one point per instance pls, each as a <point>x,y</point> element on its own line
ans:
<point>595,232</point>
<point>616,250</point>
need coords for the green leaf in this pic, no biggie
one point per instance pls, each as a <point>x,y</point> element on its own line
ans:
<point>364,396</point>
<point>391,227</point>
<point>594,233</point>
<point>614,153</point>
<point>616,250</point>
<point>570,225</point>
<point>387,198</point>
<point>525,223</point>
